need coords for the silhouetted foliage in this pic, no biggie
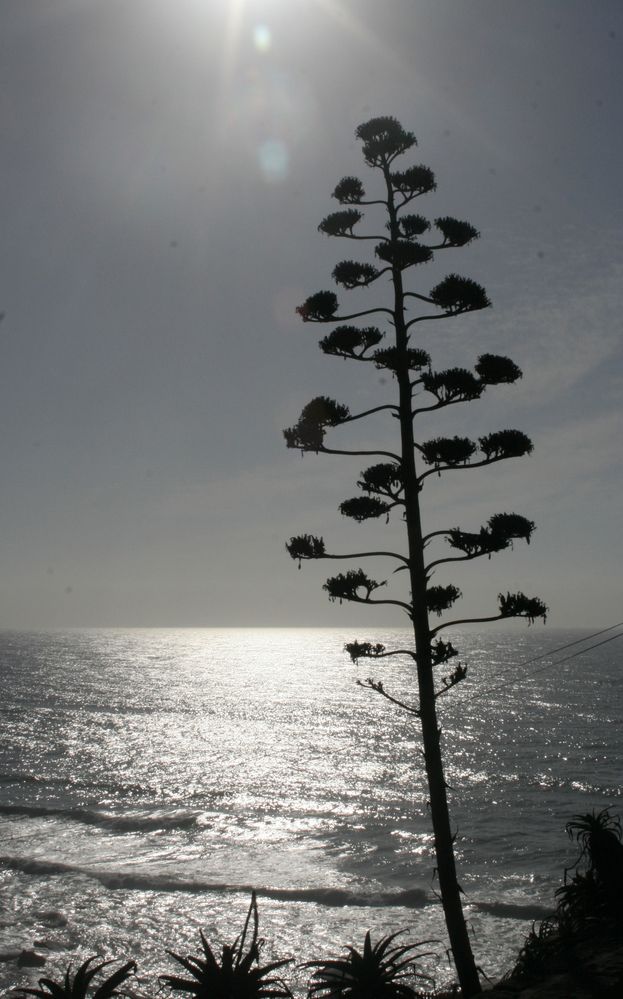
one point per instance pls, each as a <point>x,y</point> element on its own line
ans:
<point>389,357</point>
<point>350,341</point>
<point>340,223</point>
<point>364,508</point>
<point>589,906</point>
<point>348,586</point>
<point>236,975</point>
<point>379,971</point>
<point>305,546</point>
<point>441,598</point>
<point>396,484</point>
<point>495,370</point>
<point>319,307</point>
<point>384,478</point>
<point>456,294</point>
<point>447,450</point>
<point>80,985</point>
<point>349,191</point>
<point>353,275</point>
<point>454,383</point>
<point>456,233</point>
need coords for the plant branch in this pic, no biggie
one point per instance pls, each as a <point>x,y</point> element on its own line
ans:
<point>468,620</point>
<point>472,464</point>
<point>377,686</point>
<point>369,412</point>
<point>364,454</point>
<point>366,600</point>
<point>401,558</point>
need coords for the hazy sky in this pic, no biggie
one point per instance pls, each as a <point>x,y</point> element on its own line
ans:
<point>165,165</point>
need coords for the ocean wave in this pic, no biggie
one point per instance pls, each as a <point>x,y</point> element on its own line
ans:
<point>111,787</point>
<point>513,910</point>
<point>128,822</point>
<point>414,898</point>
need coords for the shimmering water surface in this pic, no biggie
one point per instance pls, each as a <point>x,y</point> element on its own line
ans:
<point>149,779</point>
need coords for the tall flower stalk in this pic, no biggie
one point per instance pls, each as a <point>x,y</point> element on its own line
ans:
<point>394,483</point>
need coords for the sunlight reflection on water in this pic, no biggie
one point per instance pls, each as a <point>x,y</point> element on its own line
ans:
<point>156,771</point>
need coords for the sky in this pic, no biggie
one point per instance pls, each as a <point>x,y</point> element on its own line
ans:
<point>165,166</point>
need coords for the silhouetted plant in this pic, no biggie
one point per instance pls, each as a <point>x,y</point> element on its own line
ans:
<point>599,837</point>
<point>395,482</point>
<point>236,975</point>
<point>79,986</point>
<point>379,971</point>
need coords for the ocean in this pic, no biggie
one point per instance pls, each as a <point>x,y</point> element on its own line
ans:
<point>150,779</point>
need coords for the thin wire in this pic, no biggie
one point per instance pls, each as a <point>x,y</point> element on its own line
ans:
<point>561,648</point>
<point>559,662</point>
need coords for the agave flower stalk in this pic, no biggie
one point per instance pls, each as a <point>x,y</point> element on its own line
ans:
<point>394,483</point>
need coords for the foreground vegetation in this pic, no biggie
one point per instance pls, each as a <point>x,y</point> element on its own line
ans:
<point>589,915</point>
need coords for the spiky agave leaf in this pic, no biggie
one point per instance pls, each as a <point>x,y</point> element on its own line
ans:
<point>378,972</point>
<point>237,975</point>
<point>78,986</point>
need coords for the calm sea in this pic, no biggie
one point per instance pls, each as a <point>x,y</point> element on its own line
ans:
<point>150,779</point>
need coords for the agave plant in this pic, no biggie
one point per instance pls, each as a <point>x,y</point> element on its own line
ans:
<point>379,972</point>
<point>599,837</point>
<point>237,975</point>
<point>79,986</point>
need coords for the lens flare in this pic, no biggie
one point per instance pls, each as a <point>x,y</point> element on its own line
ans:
<point>274,159</point>
<point>262,37</point>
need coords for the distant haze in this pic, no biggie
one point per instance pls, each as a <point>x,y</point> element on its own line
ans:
<point>166,163</point>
